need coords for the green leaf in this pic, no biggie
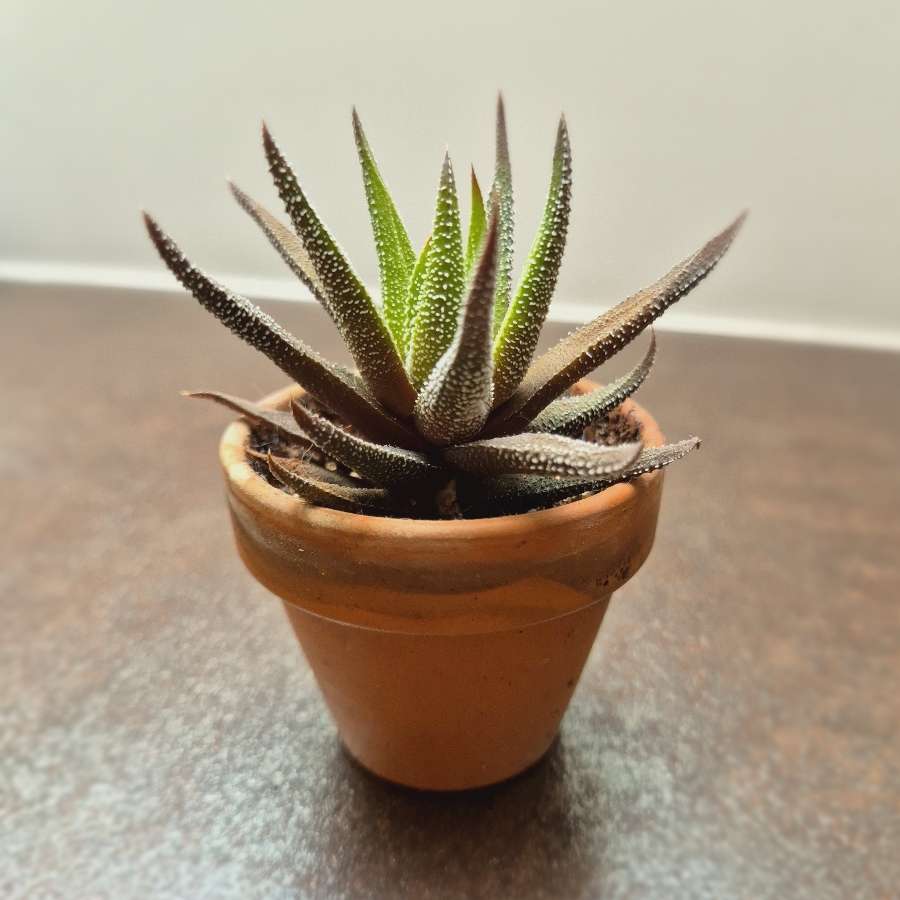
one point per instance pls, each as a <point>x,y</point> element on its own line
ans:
<point>571,415</point>
<point>502,195</point>
<point>521,327</point>
<point>512,494</point>
<point>541,454</point>
<point>456,399</point>
<point>356,316</point>
<point>575,356</point>
<point>288,245</point>
<point>329,494</point>
<point>414,297</point>
<point>283,422</point>
<point>396,257</point>
<point>442,285</point>
<point>477,225</point>
<point>381,464</point>
<point>332,386</point>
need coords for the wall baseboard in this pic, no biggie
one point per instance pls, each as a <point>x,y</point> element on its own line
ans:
<point>564,312</point>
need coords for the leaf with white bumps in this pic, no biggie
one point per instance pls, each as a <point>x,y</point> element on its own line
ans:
<point>381,464</point>
<point>587,347</point>
<point>521,326</point>
<point>456,399</point>
<point>364,330</point>
<point>541,454</point>
<point>396,257</point>
<point>329,493</point>
<point>332,386</point>
<point>443,283</point>
<point>512,494</point>
<point>305,466</point>
<point>571,415</point>
<point>502,196</point>
<point>288,245</point>
<point>414,296</point>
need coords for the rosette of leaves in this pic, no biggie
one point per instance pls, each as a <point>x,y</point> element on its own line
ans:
<point>447,412</point>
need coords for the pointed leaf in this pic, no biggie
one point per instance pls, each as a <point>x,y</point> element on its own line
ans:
<point>541,454</point>
<point>396,257</point>
<point>455,401</point>
<point>414,297</point>
<point>511,494</point>
<point>587,347</point>
<point>356,316</point>
<point>502,195</point>
<point>327,493</point>
<point>521,327</point>
<point>442,285</point>
<point>571,415</point>
<point>288,245</point>
<point>332,386</point>
<point>283,422</point>
<point>379,463</point>
<point>308,469</point>
<point>477,225</point>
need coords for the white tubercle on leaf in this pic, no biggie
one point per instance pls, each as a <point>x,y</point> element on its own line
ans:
<point>502,196</point>
<point>396,257</point>
<point>541,454</point>
<point>578,354</point>
<point>521,326</point>
<point>571,415</point>
<point>329,493</point>
<point>381,464</point>
<point>330,384</point>
<point>288,245</point>
<point>443,283</point>
<point>361,325</point>
<point>456,399</point>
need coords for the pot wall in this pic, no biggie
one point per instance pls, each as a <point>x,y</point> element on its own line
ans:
<point>447,651</point>
<point>447,712</point>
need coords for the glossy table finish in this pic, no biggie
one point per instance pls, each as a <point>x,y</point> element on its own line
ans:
<point>736,734</point>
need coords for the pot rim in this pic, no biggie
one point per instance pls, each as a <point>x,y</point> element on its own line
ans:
<point>244,481</point>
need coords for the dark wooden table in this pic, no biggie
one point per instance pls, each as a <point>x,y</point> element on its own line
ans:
<point>737,732</point>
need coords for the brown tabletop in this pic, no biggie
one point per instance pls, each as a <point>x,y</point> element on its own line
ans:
<point>736,734</point>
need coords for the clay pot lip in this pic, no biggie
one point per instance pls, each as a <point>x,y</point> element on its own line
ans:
<point>254,490</point>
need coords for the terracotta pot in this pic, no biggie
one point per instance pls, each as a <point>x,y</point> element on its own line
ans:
<point>447,651</point>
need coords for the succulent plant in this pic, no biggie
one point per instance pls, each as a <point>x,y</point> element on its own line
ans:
<point>447,413</point>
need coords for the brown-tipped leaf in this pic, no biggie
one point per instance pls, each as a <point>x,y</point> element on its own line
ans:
<point>511,494</point>
<point>541,454</point>
<point>364,330</point>
<point>332,386</point>
<point>327,493</point>
<point>522,323</point>
<point>571,415</point>
<point>587,347</point>
<point>283,422</point>
<point>456,399</point>
<point>288,245</point>
<point>305,466</point>
<point>502,197</point>
<point>379,463</point>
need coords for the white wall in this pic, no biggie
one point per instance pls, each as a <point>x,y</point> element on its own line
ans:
<point>680,113</point>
